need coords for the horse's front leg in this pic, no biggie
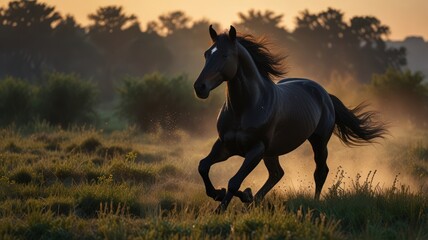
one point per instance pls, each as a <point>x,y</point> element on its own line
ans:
<point>252,159</point>
<point>218,153</point>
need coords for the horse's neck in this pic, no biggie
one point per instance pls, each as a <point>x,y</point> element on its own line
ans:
<point>248,87</point>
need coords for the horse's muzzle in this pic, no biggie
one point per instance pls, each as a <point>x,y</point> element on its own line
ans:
<point>201,90</point>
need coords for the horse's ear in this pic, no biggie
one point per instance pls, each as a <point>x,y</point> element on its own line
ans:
<point>213,33</point>
<point>232,33</point>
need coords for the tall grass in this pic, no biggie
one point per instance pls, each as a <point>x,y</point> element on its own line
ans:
<point>82,183</point>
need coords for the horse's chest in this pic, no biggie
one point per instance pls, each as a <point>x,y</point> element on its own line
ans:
<point>241,133</point>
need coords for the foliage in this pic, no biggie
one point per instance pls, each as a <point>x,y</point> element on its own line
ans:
<point>16,97</point>
<point>322,45</point>
<point>26,28</point>
<point>356,48</point>
<point>110,19</point>
<point>171,22</point>
<point>156,100</point>
<point>261,23</point>
<point>402,92</point>
<point>65,99</point>
<point>394,82</point>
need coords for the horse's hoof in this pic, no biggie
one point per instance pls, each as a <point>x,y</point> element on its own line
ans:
<point>247,196</point>
<point>220,209</point>
<point>219,194</point>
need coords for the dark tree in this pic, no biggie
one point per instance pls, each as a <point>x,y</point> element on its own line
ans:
<point>320,43</point>
<point>72,51</point>
<point>172,22</point>
<point>187,46</point>
<point>111,19</point>
<point>326,45</point>
<point>148,53</point>
<point>185,41</point>
<point>261,23</point>
<point>112,31</point>
<point>26,29</point>
<point>372,55</point>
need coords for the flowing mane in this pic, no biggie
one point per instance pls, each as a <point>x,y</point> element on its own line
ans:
<point>269,65</point>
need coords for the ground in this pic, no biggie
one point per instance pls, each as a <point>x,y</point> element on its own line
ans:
<point>84,183</point>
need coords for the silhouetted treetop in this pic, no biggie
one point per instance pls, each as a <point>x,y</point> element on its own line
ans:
<point>329,45</point>
<point>29,13</point>
<point>369,27</point>
<point>35,38</point>
<point>258,22</point>
<point>26,38</point>
<point>111,19</point>
<point>331,19</point>
<point>169,23</point>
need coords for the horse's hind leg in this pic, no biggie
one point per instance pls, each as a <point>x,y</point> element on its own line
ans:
<point>218,154</point>
<point>319,146</point>
<point>275,174</point>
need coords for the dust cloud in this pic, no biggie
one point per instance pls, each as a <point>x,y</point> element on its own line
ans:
<point>379,158</point>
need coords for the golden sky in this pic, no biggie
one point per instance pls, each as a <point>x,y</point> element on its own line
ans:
<point>404,17</point>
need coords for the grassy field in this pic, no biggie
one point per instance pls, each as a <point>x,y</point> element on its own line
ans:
<point>86,184</point>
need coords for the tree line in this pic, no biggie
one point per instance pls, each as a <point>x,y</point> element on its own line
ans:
<point>46,57</point>
<point>35,38</point>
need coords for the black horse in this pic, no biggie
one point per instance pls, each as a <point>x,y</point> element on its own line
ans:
<point>263,120</point>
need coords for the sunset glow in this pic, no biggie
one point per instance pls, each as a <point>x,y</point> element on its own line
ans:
<point>404,18</point>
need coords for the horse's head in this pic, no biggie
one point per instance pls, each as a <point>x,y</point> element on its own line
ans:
<point>221,62</point>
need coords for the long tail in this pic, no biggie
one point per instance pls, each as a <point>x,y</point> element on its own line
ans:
<point>355,127</point>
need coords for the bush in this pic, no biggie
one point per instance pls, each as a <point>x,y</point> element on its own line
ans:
<point>66,99</point>
<point>16,97</point>
<point>168,102</point>
<point>402,94</point>
<point>399,82</point>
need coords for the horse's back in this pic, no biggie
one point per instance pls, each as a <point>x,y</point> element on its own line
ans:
<point>322,97</point>
<point>315,95</point>
<point>306,89</point>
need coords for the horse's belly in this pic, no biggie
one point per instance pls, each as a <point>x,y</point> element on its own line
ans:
<point>239,142</point>
<point>292,132</point>
<point>285,141</point>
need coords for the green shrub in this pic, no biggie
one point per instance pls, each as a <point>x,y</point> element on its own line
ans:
<point>66,99</point>
<point>399,82</point>
<point>16,97</point>
<point>156,100</point>
<point>402,94</point>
